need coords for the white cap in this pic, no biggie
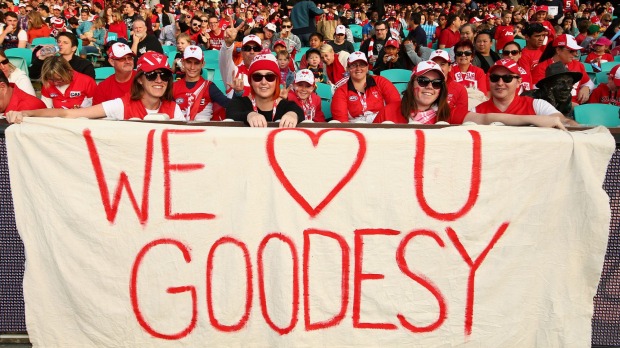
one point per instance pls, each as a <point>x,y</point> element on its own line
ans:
<point>56,7</point>
<point>355,56</point>
<point>441,54</point>
<point>119,50</point>
<point>21,4</point>
<point>193,51</point>
<point>567,41</point>
<point>426,66</point>
<point>304,75</point>
<point>271,26</point>
<point>252,38</point>
<point>340,29</point>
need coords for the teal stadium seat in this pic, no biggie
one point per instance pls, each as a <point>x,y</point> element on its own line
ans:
<point>326,107</point>
<point>356,30</point>
<point>19,63</point>
<point>617,59</point>
<point>103,73</point>
<point>598,115</point>
<point>112,37</point>
<point>601,77</point>
<point>521,42</point>
<point>169,50</point>
<point>397,75</point>
<point>607,66</point>
<point>43,41</point>
<point>24,53</point>
<point>324,91</point>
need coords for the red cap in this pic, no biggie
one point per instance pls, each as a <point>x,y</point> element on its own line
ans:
<point>508,64</point>
<point>393,43</point>
<point>615,74</point>
<point>279,42</point>
<point>541,8</point>
<point>151,61</point>
<point>567,41</point>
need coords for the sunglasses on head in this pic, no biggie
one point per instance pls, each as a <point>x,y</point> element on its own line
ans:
<point>423,82</point>
<point>164,75</point>
<point>506,78</point>
<point>251,48</point>
<point>259,77</point>
<point>463,53</point>
<point>510,53</point>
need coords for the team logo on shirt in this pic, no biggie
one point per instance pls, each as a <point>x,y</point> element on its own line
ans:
<point>179,100</point>
<point>375,94</point>
<point>74,94</point>
<point>53,95</point>
<point>353,98</point>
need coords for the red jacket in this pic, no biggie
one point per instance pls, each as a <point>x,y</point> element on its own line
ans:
<point>312,111</point>
<point>347,102</point>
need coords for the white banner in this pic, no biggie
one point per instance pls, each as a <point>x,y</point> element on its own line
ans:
<point>154,235</point>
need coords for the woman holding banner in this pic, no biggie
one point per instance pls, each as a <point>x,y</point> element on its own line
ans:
<point>151,93</point>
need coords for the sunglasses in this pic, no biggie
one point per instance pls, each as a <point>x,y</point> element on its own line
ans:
<point>463,53</point>
<point>510,53</point>
<point>423,82</point>
<point>251,48</point>
<point>205,20</point>
<point>164,75</point>
<point>286,26</point>
<point>506,78</point>
<point>196,24</point>
<point>259,77</point>
<point>5,62</point>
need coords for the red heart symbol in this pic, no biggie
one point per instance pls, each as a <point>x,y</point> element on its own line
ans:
<point>314,137</point>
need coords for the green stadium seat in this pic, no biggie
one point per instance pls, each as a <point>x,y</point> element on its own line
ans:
<point>598,115</point>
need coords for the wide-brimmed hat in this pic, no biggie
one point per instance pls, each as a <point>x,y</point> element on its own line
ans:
<point>558,69</point>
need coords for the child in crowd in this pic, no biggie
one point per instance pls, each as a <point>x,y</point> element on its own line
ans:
<point>183,40</point>
<point>313,59</point>
<point>303,94</point>
<point>600,54</point>
<point>287,76</point>
<point>608,93</point>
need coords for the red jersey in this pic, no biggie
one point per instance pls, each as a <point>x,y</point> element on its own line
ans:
<point>191,100</point>
<point>603,95</point>
<point>449,38</point>
<point>605,57</point>
<point>21,101</point>
<point>216,41</point>
<point>348,103</point>
<point>335,71</point>
<point>529,58</point>
<point>503,35</point>
<point>519,106</point>
<point>135,108</point>
<point>243,73</point>
<point>526,80</point>
<point>81,87</point>
<point>109,89</point>
<point>392,112</point>
<point>473,77</point>
<point>312,109</point>
<point>550,28</point>
<point>458,102</point>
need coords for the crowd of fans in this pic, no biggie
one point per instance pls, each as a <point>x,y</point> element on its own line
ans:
<point>464,61</point>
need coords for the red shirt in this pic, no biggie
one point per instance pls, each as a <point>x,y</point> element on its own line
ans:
<point>529,58</point>
<point>109,89</point>
<point>135,108</point>
<point>198,96</point>
<point>503,35</point>
<point>519,106</point>
<point>312,110</point>
<point>21,101</point>
<point>526,80</point>
<point>457,101</point>
<point>473,77</point>
<point>603,95</point>
<point>605,57</point>
<point>347,103</point>
<point>81,87</point>
<point>335,71</point>
<point>449,38</point>
<point>216,41</point>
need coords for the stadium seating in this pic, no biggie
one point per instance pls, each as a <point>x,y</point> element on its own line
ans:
<point>43,41</point>
<point>24,53</point>
<point>598,114</point>
<point>356,30</point>
<point>601,77</point>
<point>103,73</point>
<point>397,75</point>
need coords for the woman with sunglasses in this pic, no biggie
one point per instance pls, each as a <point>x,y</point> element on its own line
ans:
<point>566,50</point>
<point>264,103</point>
<point>151,93</point>
<point>15,75</point>
<point>464,72</point>
<point>507,107</point>
<point>363,96</point>
<point>424,101</point>
<point>512,50</point>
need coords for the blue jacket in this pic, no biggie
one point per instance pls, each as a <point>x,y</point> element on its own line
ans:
<point>302,16</point>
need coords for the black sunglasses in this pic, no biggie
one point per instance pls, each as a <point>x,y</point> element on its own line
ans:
<point>164,75</point>
<point>259,77</point>
<point>423,81</point>
<point>286,26</point>
<point>463,53</point>
<point>5,62</point>
<point>508,53</point>
<point>251,48</point>
<point>506,78</point>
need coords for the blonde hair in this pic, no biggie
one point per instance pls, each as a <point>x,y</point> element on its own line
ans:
<point>35,20</point>
<point>326,48</point>
<point>56,66</point>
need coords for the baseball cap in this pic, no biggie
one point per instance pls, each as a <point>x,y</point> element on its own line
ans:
<point>615,74</point>
<point>193,51</point>
<point>567,41</point>
<point>56,7</point>
<point>357,56</point>
<point>541,8</point>
<point>393,43</point>
<point>475,20</point>
<point>304,75</point>
<point>593,29</point>
<point>603,41</point>
<point>119,50</point>
<point>426,66</point>
<point>594,19</point>
<point>151,61</point>
<point>159,6</point>
<point>509,64</point>
<point>340,29</point>
<point>279,42</point>
<point>251,38</point>
<point>440,54</point>
<point>21,4</point>
<point>271,26</point>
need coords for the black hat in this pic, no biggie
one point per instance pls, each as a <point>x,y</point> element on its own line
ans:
<point>558,69</point>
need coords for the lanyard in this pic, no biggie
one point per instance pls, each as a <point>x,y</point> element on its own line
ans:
<point>309,110</point>
<point>363,101</point>
<point>273,115</point>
